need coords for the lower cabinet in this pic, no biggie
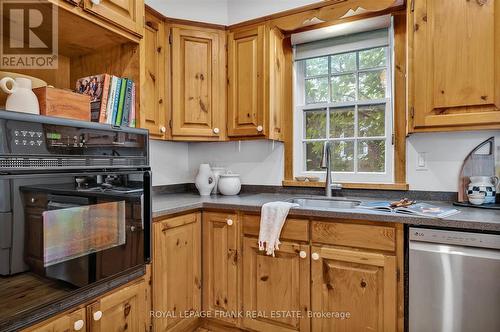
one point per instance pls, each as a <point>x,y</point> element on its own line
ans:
<point>176,276</point>
<point>359,287</point>
<point>276,289</point>
<point>221,266</point>
<point>126,309</point>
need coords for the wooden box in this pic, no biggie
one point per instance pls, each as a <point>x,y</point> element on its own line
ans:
<point>63,103</point>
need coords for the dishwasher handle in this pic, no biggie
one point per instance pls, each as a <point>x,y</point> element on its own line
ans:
<point>454,250</point>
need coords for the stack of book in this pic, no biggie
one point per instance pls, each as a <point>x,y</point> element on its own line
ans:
<point>112,99</point>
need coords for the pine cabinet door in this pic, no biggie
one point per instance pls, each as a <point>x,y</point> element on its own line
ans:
<point>454,77</point>
<point>74,321</point>
<point>277,288</point>
<point>362,284</point>
<point>246,72</point>
<point>127,14</point>
<point>198,82</point>
<point>124,310</point>
<point>221,264</point>
<point>176,271</point>
<point>153,82</point>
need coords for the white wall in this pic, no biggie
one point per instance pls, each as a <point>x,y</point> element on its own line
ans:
<point>209,11</point>
<point>258,162</point>
<point>244,10</point>
<point>224,12</point>
<point>444,153</point>
<point>169,162</point>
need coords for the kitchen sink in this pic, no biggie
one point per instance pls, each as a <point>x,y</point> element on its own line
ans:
<point>325,203</point>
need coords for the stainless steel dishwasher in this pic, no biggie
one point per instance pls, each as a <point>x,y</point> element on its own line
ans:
<point>454,281</point>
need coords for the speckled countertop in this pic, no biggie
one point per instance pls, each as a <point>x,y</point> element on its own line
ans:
<point>468,218</point>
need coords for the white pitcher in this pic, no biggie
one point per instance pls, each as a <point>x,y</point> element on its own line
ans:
<point>21,98</point>
<point>205,180</point>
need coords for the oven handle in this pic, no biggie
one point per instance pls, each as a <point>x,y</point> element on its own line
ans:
<point>416,246</point>
<point>146,215</point>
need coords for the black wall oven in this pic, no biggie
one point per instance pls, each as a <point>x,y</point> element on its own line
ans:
<point>75,212</point>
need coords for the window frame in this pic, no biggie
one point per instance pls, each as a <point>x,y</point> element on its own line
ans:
<point>300,109</point>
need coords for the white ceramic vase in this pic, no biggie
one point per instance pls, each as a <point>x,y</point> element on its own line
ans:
<point>21,98</point>
<point>217,172</point>
<point>205,180</point>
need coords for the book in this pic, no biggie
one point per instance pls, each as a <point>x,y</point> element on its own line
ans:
<point>419,209</point>
<point>127,103</point>
<point>104,99</point>
<point>111,99</point>
<point>94,87</point>
<point>116,100</point>
<point>132,108</point>
<point>121,101</point>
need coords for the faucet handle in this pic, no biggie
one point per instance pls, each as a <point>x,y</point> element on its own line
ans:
<point>336,185</point>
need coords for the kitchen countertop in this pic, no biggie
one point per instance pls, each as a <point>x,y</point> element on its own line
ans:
<point>468,218</point>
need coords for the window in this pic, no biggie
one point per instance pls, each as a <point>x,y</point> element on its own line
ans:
<point>344,97</point>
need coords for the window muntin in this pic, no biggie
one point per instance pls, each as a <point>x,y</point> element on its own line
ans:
<point>345,98</point>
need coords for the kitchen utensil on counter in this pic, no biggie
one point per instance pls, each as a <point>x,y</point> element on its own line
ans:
<point>21,98</point>
<point>229,184</point>
<point>205,180</point>
<point>217,172</point>
<point>476,198</point>
<point>483,184</point>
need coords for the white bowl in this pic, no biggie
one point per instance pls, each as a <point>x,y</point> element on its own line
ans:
<point>229,184</point>
<point>476,199</point>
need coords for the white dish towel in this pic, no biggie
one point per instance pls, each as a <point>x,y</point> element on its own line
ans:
<point>273,216</point>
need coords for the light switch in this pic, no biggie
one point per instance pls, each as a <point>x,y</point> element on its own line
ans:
<point>421,161</point>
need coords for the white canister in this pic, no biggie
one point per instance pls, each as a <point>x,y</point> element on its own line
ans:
<point>229,184</point>
<point>205,180</point>
<point>217,172</point>
<point>21,98</point>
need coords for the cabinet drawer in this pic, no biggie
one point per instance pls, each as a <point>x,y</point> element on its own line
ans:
<point>294,229</point>
<point>354,235</point>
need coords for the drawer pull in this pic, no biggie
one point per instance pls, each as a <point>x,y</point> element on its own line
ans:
<point>302,254</point>
<point>260,129</point>
<point>78,325</point>
<point>216,130</point>
<point>315,256</point>
<point>97,315</point>
<point>229,222</point>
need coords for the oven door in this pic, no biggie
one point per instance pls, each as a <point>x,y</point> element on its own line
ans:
<point>78,228</point>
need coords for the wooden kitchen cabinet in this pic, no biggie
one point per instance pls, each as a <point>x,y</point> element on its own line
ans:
<point>454,72</point>
<point>256,87</point>
<point>73,321</point>
<point>198,83</point>
<point>177,271</point>
<point>127,14</point>
<point>221,265</point>
<point>277,288</point>
<point>361,283</point>
<point>123,310</point>
<point>154,52</point>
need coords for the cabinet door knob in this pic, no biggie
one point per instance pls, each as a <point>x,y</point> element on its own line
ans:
<point>216,130</point>
<point>33,199</point>
<point>229,222</point>
<point>260,129</point>
<point>163,129</point>
<point>96,2</point>
<point>78,325</point>
<point>315,256</point>
<point>302,254</point>
<point>97,315</point>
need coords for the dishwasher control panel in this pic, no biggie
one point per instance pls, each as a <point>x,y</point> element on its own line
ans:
<point>468,239</point>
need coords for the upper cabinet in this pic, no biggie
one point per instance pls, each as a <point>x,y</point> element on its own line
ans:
<point>127,14</point>
<point>198,83</point>
<point>454,72</point>
<point>154,55</point>
<point>256,82</point>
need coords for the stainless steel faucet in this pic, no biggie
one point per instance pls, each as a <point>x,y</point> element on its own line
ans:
<point>326,163</point>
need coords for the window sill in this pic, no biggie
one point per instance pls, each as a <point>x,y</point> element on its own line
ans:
<point>381,186</point>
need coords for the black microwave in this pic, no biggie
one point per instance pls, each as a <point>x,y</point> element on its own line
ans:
<point>75,211</point>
